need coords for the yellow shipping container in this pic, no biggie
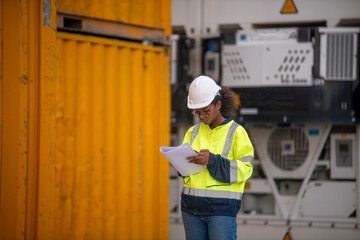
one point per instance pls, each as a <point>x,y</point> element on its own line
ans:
<point>81,122</point>
<point>27,127</point>
<point>112,117</point>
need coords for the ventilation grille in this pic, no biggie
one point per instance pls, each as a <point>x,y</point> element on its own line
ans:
<point>236,65</point>
<point>340,56</point>
<point>280,142</point>
<point>291,65</point>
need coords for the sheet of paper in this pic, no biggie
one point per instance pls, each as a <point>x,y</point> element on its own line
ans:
<point>177,155</point>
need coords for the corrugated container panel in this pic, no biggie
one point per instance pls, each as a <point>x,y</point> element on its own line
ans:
<point>27,122</point>
<point>1,90</point>
<point>113,114</point>
<point>149,13</point>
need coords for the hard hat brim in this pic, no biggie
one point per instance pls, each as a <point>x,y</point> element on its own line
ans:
<point>197,106</point>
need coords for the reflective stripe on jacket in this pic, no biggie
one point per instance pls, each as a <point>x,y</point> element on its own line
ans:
<point>218,189</point>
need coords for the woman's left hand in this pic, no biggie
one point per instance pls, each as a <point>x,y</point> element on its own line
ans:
<point>201,159</point>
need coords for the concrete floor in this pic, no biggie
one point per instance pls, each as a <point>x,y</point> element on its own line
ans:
<point>256,232</point>
<point>176,231</point>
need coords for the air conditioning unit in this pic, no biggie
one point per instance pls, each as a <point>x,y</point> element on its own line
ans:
<point>286,152</point>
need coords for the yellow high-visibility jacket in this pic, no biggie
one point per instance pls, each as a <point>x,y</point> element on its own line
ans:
<point>218,189</point>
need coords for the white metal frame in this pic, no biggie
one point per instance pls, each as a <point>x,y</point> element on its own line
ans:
<point>292,216</point>
<point>259,137</point>
<point>309,172</point>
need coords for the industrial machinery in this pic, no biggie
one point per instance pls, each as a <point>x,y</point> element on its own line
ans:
<point>296,77</point>
<point>297,90</point>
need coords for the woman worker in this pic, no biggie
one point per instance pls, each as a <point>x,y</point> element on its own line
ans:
<point>211,199</point>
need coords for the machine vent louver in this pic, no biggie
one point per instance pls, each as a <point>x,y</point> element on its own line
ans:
<point>338,56</point>
<point>340,48</point>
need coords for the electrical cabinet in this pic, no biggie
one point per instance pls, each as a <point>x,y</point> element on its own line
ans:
<point>342,156</point>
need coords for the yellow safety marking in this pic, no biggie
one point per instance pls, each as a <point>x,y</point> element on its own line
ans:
<point>237,99</point>
<point>287,236</point>
<point>289,7</point>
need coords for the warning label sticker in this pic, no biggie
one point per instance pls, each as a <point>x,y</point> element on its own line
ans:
<point>288,7</point>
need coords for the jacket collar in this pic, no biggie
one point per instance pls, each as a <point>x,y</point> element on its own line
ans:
<point>228,118</point>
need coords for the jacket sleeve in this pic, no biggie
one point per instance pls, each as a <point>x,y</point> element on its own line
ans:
<point>238,170</point>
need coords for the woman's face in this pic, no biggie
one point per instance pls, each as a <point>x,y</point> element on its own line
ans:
<point>209,113</point>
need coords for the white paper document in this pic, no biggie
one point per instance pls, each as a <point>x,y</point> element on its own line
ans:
<point>177,155</point>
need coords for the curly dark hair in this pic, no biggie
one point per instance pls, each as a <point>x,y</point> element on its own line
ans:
<point>228,100</point>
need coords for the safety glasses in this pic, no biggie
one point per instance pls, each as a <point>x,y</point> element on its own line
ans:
<point>204,113</point>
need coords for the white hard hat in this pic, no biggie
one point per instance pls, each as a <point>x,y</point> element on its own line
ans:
<point>202,92</point>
